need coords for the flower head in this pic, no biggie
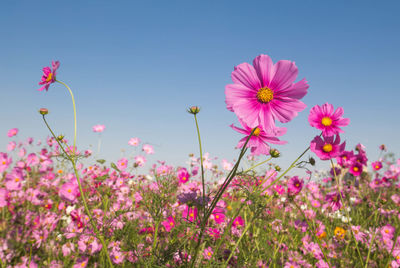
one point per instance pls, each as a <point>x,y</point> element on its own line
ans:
<point>168,224</point>
<point>295,185</point>
<point>265,92</point>
<point>183,175</point>
<point>99,128</point>
<point>328,120</point>
<point>259,140</point>
<point>377,165</point>
<point>49,75</point>
<point>134,141</point>
<point>148,149</point>
<point>12,132</point>
<point>328,147</point>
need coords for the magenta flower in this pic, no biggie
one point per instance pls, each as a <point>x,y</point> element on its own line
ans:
<point>377,165</point>
<point>12,132</point>
<point>208,252</point>
<point>168,224</point>
<point>183,175</point>
<point>218,217</point>
<point>49,75</point>
<point>328,147</point>
<point>238,222</point>
<point>294,185</point>
<point>356,169</point>
<point>98,128</point>
<point>265,92</point>
<point>333,200</point>
<point>328,120</point>
<point>259,140</point>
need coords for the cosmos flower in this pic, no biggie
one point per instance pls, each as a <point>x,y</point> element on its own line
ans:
<point>265,92</point>
<point>183,175</point>
<point>328,120</point>
<point>328,147</point>
<point>148,149</point>
<point>12,132</point>
<point>49,75</point>
<point>377,165</point>
<point>168,224</point>
<point>134,141</point>
<point>294,185</point>
<point>259,140</point>
<point>99,128</point>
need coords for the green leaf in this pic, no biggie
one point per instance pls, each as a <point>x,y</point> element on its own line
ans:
<point>101,161</point>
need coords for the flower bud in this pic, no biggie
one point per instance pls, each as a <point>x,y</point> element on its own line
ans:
<point>43,111</point>
<point>312,161</point>
<point>193,110</point>
<point>60,137</point>
<point>274,153</point>
<point>278,168</point>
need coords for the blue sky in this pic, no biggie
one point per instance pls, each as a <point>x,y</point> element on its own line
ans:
<point>135,66</point>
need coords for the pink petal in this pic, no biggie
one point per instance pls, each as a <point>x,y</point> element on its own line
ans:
<point>296,91</point>
<point>236,93</point>
<point>264,68</point>
<point>246,75</point>
<point>285,74</point>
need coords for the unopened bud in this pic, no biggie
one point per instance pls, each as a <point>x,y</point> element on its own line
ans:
<point>43,111</point>
<point>193,110</point>
<point>278,168</point>
<point>312,161</point>
<point>274,153</point>
<point>60,137</point>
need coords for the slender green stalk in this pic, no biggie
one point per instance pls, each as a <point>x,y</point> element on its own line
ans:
<point>202,168</point>
<point>100,237</point>
<point>263,162</point>
<point>73,104</point>
<point>373,238</point>
<point>155,241</point>
<point>347,213</point>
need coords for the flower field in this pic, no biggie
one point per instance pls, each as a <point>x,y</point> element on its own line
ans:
<point>63,207</point>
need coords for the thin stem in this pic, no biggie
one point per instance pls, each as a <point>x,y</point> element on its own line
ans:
<point>73,103</point>
<point>100,237</point>
<point>202,168</point>
<point>155,240</point>
<point>373,238</point>
<point>247,170</point>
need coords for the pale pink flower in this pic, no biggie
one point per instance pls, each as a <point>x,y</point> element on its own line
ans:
<point>134,141</point>
<point>69,191</point>
<point>148,149</point>
<point>99,128</point>
<point>122,164</point>
<point>208,252</point>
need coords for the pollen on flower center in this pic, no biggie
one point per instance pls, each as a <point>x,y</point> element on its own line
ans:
<point>327,148</point>
<point>49,77</point>
<point>265,95</point>
<point>256,132</point>
<point>326,121</point>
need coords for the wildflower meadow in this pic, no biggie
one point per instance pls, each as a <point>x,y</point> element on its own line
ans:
<point>64,206</point>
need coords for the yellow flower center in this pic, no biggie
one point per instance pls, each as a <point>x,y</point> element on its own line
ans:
<point>256,132</point>
<point>171,223</point>
<point>16,179</point>
<point>265,95</point>
<point>217,216</point>
<point>209,253</point>
<point>327,148</point>
<point>49,77</point>
<point>69,190</point>
<point>326,121</point>
<point>4,162</point>
<point>297,185</point>
<point>355,169</point>
<point>377,166</point>
<point>191,214</point>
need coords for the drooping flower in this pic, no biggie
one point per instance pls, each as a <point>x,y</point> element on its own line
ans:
<point>265,92</point>
<point>328,120</point>
<point>328,147</point>
<point>49,75</point>
<point>259,140</point>
<point>98,128</point>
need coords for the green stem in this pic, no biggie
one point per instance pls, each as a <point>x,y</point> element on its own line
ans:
<point>202,168</point>
<point>155,241</point>
<point>73,103</point>
<point>247,170</point>
<point>100,237</point>
<point>347,213</point>
<point>373,238</point>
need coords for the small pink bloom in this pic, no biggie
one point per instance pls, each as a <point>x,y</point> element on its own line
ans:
<point>190,214</point>
<point>356,169</point>
<point>183,175</point>
<point>134,141</point>
<point>219,217</point>
<point>328,120</point>
<point>99,128</point>
<point>69,191</point>
<point>122,164</point>
<point>328,147</point>
<point>11,146</point>
<point>388,231</point>
<point>49,75</point>
<point>140,160</point>
<point>238,222</point>
<point>169,224</point>
<point>148,149</point>
<point>208,252</point>
<point>12,132</point>
<point>260,138</point>
<point>377,165</point>
<point>81,262</point>
<point>295,185</point>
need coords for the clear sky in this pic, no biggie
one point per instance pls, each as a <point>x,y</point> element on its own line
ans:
<point>135,66</point>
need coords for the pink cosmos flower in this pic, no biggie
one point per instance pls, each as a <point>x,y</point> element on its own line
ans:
<point>295,185</point>
<point>328,147</point>
<point>99,128</point>
<point>258,141</point>
<point>69,191</point>
<point>134,141</point>
<point>49,75</point>
<point>122,163</point>
<point>5,162</point>
<point>190,214</point>
<point>12,132</point>
<point>169,223</point>
<point>140,160</point>
<point>238,222</point>
<point>148,149</point>
<point>328,120</point>
<point>218,217</point>
<point>208,252</point>
<point>11,146</point>
<point>265,92</point>
<point>388,231</point>
<point>183,175</point>
<point>377,165</point>
<point>333,200</point>
<point>356,169</point>
<point>3,197</point>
